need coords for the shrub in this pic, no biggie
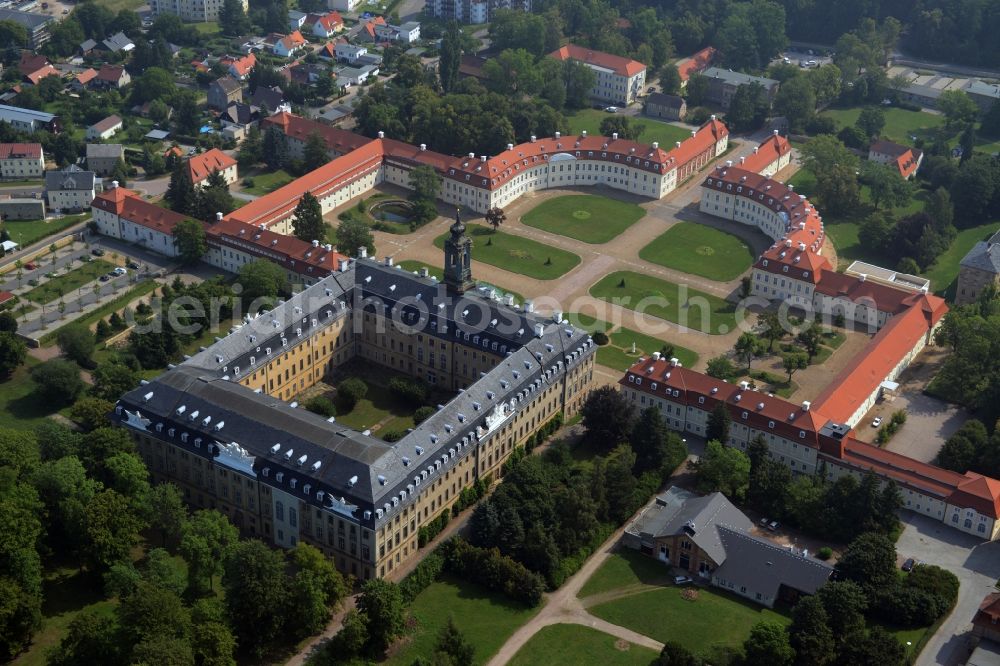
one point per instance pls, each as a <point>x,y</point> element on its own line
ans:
<point>472,494</point>
<point>487,567</point>
<point>824,553</point>
<point>898,417</point>
<point>321,405</point>
<point>600,337</point>
<point>349,392</point>
<point>423,414</point>
<point>422,576</point>
<point>392,435</point>
<point>427,533</point>
<point>411,391</point>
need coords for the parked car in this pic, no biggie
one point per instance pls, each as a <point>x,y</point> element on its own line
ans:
<point>134,265</point>
<point>105,277</point>
<point>97,252</point>
<point>773,525</point>
<point>31,265</point>
<point>611,109</point>
<point>909,564</point>
<point>651,89</point>
<point>763,522</point>
<point>682,580</point>
<point>877,422</point>
<point>120,271</point>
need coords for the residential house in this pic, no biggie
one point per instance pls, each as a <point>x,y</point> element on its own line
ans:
<point>104,129</point>
<point>328,52</point>
<point>195,11</point>
<point>285,46</point>
<point>296,19</point>
<point>81,81</point>
<point>34,67</point>
<point>268,100</point>
<point>474,11</point>
<point>111,77</point>
<point>406,33</point>
<point>905,159</point>
<point>618,80</point>
<point>143,110</point>
<point>29,120</point>
<point>20,161</point>
<point>713,541</point>
<point>36,25</point>
<point>118,43</point>
<point>223,92</point>
<point>70,189</point>
<point>120,214</point>
<point>979,269</point>
<point>87,47</point>
<point>342,5</point>
<point>34,77</point>
<point>240,114</point>
<point>201,166</point>
<point>723,84</point>
<point>349,53</point>
<point>667,107</point>
<point>19,208</point>
<point>368,31</point>
<point>986,622</point>
<point>239,68</point>
<point>103,158</point>
<point>356,76</point>
<point>324,26</point>
<point>696,64</point>
<point>471,65</point>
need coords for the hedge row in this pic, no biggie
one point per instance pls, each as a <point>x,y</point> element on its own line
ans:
<point>427,533</point>
<point>544,432</point>
<point>487,567</point>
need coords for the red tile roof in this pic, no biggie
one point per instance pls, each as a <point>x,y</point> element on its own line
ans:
<point>110,73</point>
<point>297,127</point>
<point>330,21</point>
<point>242,65</point>
<point>39,74</point>
<point>885,298</point>
<point>31,62</point>
<point>86,76</point>
<point>124,203</point>
<point>20,151</point>
<point>988,614</point>
<point>621,66</point>
<point>770,150</point>
<point>904,470</point>
<point>978,492</point>
<point>201,166</point>
<point>293,40</point>
<point>287,251</point>
<point>696,63</point>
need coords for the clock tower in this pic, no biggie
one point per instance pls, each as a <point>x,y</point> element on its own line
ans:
<point>458,258</point>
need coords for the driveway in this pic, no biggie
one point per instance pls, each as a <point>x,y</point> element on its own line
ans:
<point>977,565</point>
<point>929,422</point>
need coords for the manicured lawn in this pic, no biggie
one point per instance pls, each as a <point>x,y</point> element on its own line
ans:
<point>587,322</point>
<point>714,618</point>
<point>653,130</point>
<point>626,567</point>
<point>105,310</point>
<point>944,272</point>
<point>676,303</point>
<point>26,232</point>
<point>67,282</point>
<point>516,254</point>
<point>585,217</point>
<point>486,619</point>
<point>268,181</point>
<point>18,406</point>
<point>618,353</point>
<point>378,408</point>
<point>700,250</point>
<point>901,124</point>
<point>413,265</point>
<point>573,644</point>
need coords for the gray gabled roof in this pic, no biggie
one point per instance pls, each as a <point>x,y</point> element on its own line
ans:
<point>985,255</point>
<point>117,42</point>
<point>88,45</point>
<point>105,150</point>
<point>738,78</point>
<point>70,178</point>
<point>668,101</point>
<point>27,19</point>
<point>764,567</point>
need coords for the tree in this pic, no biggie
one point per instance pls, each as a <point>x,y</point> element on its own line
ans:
<point>262,281</point>
<point>349,392</point>
<point>748,108</point>
<point>451,56</point>
<point>314,153</point>
<point>723,469</point>
<point>607,416</point>
<point>352,235</point>
<point>885,184</point>
<point>205,540</point>
<point>655,446</point>
<point>876,647</point>
<point>126,474</point>
<point>382,604</point>
<point>180,192</point>
<point>213,644</point>
<point>452,644</point>
<point>720,367</point>
<point>166,512</point>
<point>579,80</point>
<point>771,328</point>
<point>252,148</point>
<point>719,422</point>
<point>8,322</point>
<point>622,126</point>
<point>256,594</point>
<point>154,83</point>
<point>112,529</point>
<point>974,190</point>
<point>810,634</point>
<point>963,450</point>
<point>112,379</point>
<point>275,149</point>
<point>90,639</point>
<point>958,108</point>
<point>835,168</point>
<point>796,101</point>
<point>91,412</point>
<point>189,238</point>
<point>77,344</point>
<point>871,120</point>
<point>670,79</point>
<point>768,645</point>
<point>425,182</point>
<point>748,347</point>
<point>794,361</point>
<point>233,20</point>
<point>13,352</point>
<point>152,613</point>
<point>810,338</point>
<point>870,561</point>
<point>308,224</point>
<point>214,198</point>
<point>187,115</point>
<point>495,217</point>
<point>845,604</point>
<point>990,125</point>
<point>57,382</point>
<point>160,571</point>
<point>675,654</point>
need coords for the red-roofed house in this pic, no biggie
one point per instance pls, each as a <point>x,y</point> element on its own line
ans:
<point>369,29</point>
<point>986,622</point>
<point>906,160</point>
<point>81,81</point>
<point>696,64</point>
<point>121,214</point>
<point>21,160</point>
<point>201,166</point>
<point>771,156</point>
<point>111,77</point>
<point>286,46</point>
<point>39,74</point>
<point>31,63</point>
<point>239,68</point>
<point>324,25</point>
<point>619,80</point>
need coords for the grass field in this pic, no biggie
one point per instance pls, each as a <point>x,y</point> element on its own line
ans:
<point>573,644</point>
<point>118,303</point>
<point>26,232</point>
<point>901,124</point>
<point>264,183</point>
<point>625,568</point>
<point>653,130</point>
<point>676,303</point>
<point>67,282</point>
<point>413,265</point>
<point>943,274</point>
<point>587,322</point>
<point>379,408</point>
<point>700,250</point>
<point>585,217</point>
<point>714,618</point>
<point>618,353</point>
<point>517,255</point>
<point>485,618</point>
<point>18,407</point>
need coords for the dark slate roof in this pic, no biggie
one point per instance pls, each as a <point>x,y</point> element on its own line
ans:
<point>271,98</point>
<point>681,512</point>
<point>70,178</point>
<point>117,42</point>
<point>763,566</point>
<point>985,255</point>
<point>29,20</point>
<point>668,101</point>
<point>88,45</point>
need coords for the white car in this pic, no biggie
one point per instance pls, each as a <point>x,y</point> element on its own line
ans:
<point>611,109</point>
<point>877,422</point>
<point>121,271</point>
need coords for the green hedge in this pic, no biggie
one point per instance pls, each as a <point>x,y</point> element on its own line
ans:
<point>427,533</point>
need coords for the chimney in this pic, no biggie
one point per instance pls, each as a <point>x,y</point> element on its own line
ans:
<point>218,217</point>
<point>791,187</point>
<point>656,145</point>
<point>423,272</point>
<point>677,144</point>
<point>775,132</point>
<point>381,134</point>
<point>482,157</point>
<point>362,252</point>
<point>533,137</point>
<point>862,277</point>
<point>510,146</point>
<point>806,405</point>
<point>557,316</point>
<point>656,356</point>
<point>315,243</point>
<point>712,116</point>
<point>744,386</point>
<point>755,150</point>
<point>529,306</point>
<point>614,136</point>
<point>583,134</point>
<point>674,362</point>
<point>114,184</point>
<point>342,265</point>
<point>423,146</point>
<point>539,330</point>
<point>694,133</point>
<point>743,159</point>
<point>558,134</point>
<point>729,163</point>
<point>388,261</point>
<point>328,247</point>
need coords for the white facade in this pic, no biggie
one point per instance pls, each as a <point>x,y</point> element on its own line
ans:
<point>70,199</point>
<point>616,88</point>
<point>18,167</point>
<point>197,11</point>
<point>349,52</point>
<point>109,224</point>
<point>95,134</point>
